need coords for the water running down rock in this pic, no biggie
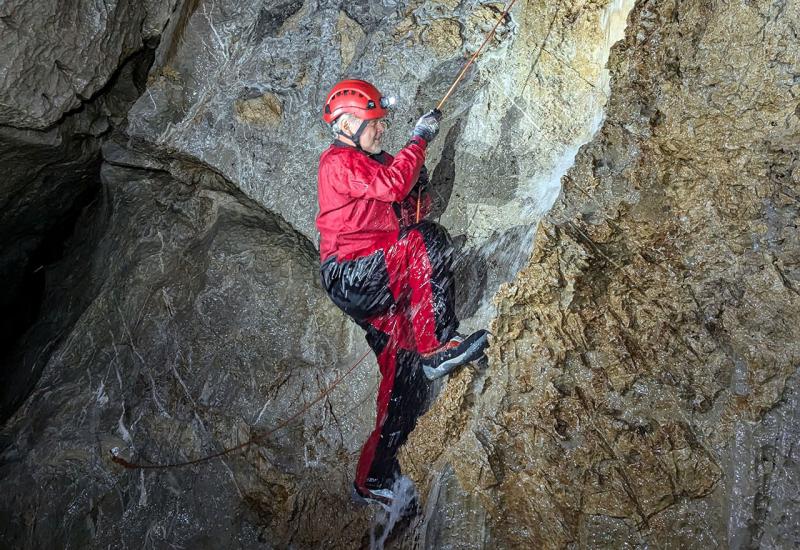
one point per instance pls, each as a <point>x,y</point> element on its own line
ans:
<point>640,386</point>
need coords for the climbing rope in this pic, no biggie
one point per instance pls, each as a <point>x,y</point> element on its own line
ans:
<point>253,439</point>
<point>461,76</point>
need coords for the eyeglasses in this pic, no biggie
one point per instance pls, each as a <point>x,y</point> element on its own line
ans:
<point>383,123</point>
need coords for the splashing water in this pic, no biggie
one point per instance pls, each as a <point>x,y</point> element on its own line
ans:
<point>545,191</point>
<point>386,519</point>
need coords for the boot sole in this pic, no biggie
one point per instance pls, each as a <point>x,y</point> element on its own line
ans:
<point>366,501</point>
<point>473,352</point>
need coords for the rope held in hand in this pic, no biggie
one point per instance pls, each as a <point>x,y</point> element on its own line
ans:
<point>133,466</point>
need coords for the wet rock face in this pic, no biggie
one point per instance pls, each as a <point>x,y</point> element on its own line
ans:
<point>177,353</point>
<point>57,56</point>
<point>70,73</point>
<point>641,381</point>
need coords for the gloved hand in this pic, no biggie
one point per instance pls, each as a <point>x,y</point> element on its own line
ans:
<point>428,125</point>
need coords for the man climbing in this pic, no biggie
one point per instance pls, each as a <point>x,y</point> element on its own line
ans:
<point>386,269</point>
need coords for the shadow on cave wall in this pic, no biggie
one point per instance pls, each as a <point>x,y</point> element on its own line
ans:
<point>478,272</point>
<point>53,177</point>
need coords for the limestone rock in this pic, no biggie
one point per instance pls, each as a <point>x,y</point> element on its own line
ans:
<point>68,77</point>
<point>655,329</point>
<point>351,35</point>
<point>443,36</point>
<point>176,350</point>
<point>49,176</point>
<point>57,58</point>
<point>481,22</point>
<point>264,110</point>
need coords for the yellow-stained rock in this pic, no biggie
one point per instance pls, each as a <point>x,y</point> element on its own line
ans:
<point>443,36</point>
<point>350,34</point>
<point>266,110</point>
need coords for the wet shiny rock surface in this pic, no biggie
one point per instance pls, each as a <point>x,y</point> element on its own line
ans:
<point>623,182</point>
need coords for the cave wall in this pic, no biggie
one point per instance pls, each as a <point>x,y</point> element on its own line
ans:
<point>642,382</point>
<point>179,351</point>
<point>70,73</point>
<point>58,55</point>
<point>641,386</point>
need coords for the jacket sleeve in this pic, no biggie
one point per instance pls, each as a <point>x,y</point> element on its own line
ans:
<point>369,179</point>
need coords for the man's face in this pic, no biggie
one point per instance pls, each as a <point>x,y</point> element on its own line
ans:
<point>372,135</point>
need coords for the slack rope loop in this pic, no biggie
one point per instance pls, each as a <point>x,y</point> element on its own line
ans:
<point>475,56</point>
<point>133,466</point>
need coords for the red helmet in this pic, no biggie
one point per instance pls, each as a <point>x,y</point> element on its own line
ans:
<point>357,97</point>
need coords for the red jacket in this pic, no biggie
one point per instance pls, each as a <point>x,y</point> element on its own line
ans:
<point>356,193</point>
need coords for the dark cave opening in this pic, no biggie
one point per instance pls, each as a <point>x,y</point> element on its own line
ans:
<point>37,234</point>
<point>23,302</point>
<point>23,306</point>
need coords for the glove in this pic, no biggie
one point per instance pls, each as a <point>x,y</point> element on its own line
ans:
<point>428,125</point>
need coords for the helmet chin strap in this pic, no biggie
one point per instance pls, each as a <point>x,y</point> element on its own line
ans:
<point>356,137</point>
